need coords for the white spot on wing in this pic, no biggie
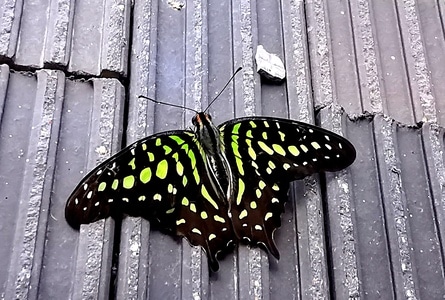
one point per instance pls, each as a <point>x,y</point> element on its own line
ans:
<point>196,230</point>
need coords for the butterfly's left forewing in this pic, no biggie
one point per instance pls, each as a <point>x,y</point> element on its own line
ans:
<point>265,154</point>
<point>163,179</point>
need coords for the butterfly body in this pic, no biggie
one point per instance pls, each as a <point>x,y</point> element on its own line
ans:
<point>215,185</point>
<point>216,161</point>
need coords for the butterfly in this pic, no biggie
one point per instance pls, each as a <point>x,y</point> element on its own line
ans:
<point>214,185</point>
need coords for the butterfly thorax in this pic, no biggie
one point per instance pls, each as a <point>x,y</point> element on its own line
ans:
<point>216,162</point>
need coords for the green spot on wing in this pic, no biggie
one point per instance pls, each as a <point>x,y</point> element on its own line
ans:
<point>239,164</point>
<point>250,149</point>
<point>278,149</point>
<point>185,147</point>
<point>115,184</point>
<point>177,139</point>
<point>315,145</point>
<point>167,149</point>
<point>145,175</point>
<point>235,129</point>
<point>293,150</point>
<point>179,168</point>
<point>235,149</point>
<point>241,188</point>
<point>251,153</point>
<point>102,186</point>
<point>206,195</point>
<point>151,156</point>
<point>262,184</point>
<point>192,157</point>
<point>162,169</point>
<point>219,219</point>
<point>128,182</point>
<point>196,175</point>
<point>265,148</point>
<point>132,164</point>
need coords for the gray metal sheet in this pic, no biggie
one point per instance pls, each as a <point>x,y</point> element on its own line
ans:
<point>82,37</point>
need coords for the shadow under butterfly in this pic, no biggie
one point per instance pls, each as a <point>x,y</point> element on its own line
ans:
<point>215,185</point>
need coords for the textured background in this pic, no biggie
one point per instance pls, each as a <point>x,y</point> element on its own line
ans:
<point>373,71</point>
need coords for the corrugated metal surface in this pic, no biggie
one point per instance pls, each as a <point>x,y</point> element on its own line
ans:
<point>372,71</point>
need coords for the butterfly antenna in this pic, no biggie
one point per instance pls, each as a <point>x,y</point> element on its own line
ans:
<point>237,70</point>
<point>168,104</point>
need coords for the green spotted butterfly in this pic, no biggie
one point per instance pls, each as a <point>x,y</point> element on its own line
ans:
<point>214,185</point>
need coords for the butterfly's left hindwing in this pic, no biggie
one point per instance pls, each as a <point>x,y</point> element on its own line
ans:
<point>265,154</point>
<point>163,179</point>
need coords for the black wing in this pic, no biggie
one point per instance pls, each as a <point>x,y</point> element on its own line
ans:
<point>265,155</point>
<point>163,179</point>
